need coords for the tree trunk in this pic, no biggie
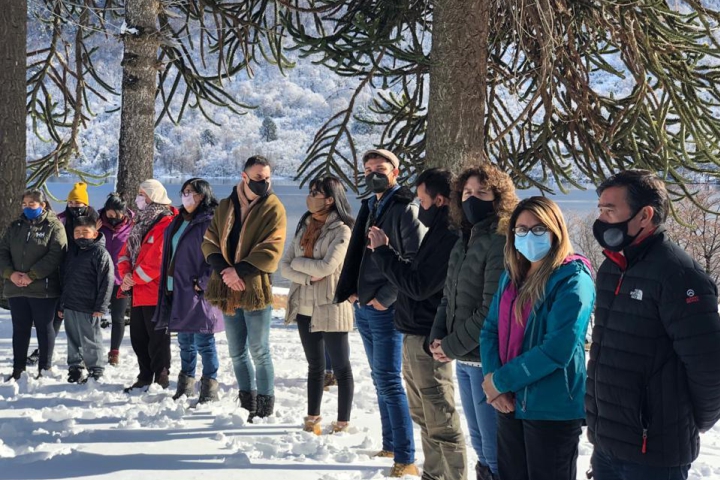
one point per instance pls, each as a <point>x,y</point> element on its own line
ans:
<point>458,83</point>
<point>139,83</point>
<point>13,31</point>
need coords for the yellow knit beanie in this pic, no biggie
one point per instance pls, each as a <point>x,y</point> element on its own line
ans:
<point>79,194</point>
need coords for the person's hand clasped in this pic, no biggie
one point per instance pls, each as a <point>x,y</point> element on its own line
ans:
<point>20,279</point>
<point>504,403</point>
<point>377,238</point>
<point>127,282</point>
<point>489,388</point>
<point>437,351</point>
<point>232,280</point>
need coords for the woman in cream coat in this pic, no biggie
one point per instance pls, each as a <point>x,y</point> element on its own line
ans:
<point>313,264</point>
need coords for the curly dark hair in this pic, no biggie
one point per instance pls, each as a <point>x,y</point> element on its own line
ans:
<point>501,185</point>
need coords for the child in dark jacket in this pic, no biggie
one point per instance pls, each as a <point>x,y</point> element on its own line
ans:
<point>88,276</point>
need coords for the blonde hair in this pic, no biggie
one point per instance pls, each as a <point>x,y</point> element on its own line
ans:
<point>531,289</point>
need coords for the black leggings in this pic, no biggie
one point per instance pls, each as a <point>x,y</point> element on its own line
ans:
<point>28,311</point>
<point>118,306</point>
<point>314,344</point>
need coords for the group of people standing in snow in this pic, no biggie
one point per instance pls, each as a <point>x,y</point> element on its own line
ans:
<point>458,272</point>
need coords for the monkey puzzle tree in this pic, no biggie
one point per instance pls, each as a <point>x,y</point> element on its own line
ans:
<point>523,84</point>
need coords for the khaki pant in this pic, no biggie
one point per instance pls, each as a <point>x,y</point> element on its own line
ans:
<point>431,396</point>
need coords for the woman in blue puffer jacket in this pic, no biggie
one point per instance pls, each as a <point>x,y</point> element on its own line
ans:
<point>532,346</point>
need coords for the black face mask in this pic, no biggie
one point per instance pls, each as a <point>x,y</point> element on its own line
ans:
<point>259,187</point>
<point>614,236</point>
<point>477,210</point>
<point>84,243</point>
<point>77,211</point>
<point>115,221</point>
<point>377,182</point>
<point>427,217</point>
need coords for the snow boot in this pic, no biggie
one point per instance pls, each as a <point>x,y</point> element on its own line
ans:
<point>114,357</point>
<point>163,378</point>
<point>33,358</point>
<point>139,383</point>
<point>94,374</point>
<point>312,425</point>
<point>399,470</point>
<point>330,381</point>
<point>208,390</point>
<point>75,375</point>
<point>248,401</point>
<point>185,386</point>
<point>15,375</point>
<point>265,406</point>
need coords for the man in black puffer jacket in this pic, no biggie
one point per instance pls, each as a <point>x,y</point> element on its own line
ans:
<point>430,385</point>
<point>654,371</point>
<point>364,284</point>
<point>88,280</point>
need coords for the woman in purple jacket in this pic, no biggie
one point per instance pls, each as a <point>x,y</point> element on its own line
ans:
<point>182,306</point>
<point>117,222</point>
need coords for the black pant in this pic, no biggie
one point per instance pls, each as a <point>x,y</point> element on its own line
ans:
<point>152,347</point>
<point>336,343</point>
<point>537,449</point>
<point>118,306</point>
<point>28,311</point>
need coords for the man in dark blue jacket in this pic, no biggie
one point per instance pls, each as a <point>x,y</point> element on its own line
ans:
<point>654,372</point>
<point>391,208</point>
<point>420,282</point>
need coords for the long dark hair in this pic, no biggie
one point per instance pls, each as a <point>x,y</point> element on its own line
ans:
<point>202,187</point>
<point>331,187</point>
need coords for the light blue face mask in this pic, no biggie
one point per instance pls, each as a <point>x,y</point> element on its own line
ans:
<point>533,247</point>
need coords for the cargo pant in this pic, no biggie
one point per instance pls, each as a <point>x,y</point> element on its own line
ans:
<point>431,396</point>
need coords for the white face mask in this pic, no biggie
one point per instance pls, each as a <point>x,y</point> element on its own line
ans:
<point>188,202</point>
<point>140,202</point>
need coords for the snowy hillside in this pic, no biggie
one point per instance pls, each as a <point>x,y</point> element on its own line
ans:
<point>298,102</point>
<point>50,429</point>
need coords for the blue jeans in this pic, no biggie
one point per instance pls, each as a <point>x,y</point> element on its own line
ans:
<point>480,415</point>
<point>245,331</point>
<point>203,343</point>
<point>383,346</point>
<point>606,467</point>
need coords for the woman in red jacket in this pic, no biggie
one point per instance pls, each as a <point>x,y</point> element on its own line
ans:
<point>139,266</point>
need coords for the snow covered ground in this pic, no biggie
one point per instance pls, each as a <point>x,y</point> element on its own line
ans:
<point>50,429</point>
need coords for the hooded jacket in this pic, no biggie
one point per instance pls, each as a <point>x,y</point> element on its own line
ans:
<point>548,377</point>
<point>654,370</point>
<point>398,218</point>
<point>87,278</point>
<point>187,310</point>
<point>419,282</point>
<point>36,247</point>
<point>115,238</point>
<point>473,271</point>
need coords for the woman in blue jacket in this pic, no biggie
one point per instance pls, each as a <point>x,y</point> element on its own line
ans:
<point>532,346</point>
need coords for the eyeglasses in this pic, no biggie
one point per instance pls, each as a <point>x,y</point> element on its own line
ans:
<point>537,230</point>
<point>316,193</point>
<point>188,193</point>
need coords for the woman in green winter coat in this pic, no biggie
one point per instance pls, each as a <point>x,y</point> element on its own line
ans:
<point>31,252</point>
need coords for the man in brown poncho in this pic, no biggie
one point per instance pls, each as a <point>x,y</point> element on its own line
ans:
<point>244,245</point>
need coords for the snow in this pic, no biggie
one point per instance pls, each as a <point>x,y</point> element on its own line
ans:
<point>50,429</point>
